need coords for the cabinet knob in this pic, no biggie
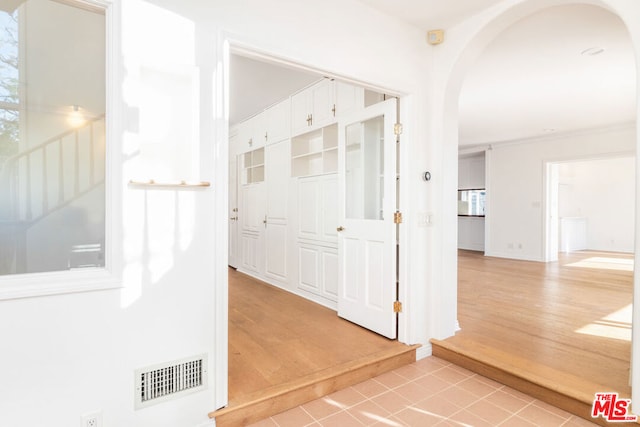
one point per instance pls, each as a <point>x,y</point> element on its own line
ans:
<point>341,228</point>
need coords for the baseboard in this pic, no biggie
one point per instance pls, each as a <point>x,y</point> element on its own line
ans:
<point>425,351</point>
<point>511,255</point>
<point>310,296</point>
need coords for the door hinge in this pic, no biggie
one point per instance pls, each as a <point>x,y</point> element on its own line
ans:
<point>397,129</point>
<point>397,307</point>
<point>397,217</point>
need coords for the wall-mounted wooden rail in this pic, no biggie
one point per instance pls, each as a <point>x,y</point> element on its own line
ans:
<point>169,185</point>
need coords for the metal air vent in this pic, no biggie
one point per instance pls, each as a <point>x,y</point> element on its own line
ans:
<point>170,380</point>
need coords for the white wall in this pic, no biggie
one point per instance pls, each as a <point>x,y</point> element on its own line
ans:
<point>517,182</point>
<point>603,192</point>
<point>71,354</point>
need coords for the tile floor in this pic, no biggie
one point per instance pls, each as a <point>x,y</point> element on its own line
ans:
<point>429,392</point>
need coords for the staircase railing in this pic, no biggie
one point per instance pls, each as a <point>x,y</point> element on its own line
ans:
<point>30,178</point>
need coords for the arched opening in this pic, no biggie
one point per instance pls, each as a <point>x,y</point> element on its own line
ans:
<point>505,234</point>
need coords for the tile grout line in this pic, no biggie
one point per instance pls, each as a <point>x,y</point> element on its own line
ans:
<point>450,384</point>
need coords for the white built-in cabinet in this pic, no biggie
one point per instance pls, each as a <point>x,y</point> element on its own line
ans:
<point>315,152</point>
<point>287,163</point>
<point>277,233</point>
<point>313,107</point>
<point>317,201</point>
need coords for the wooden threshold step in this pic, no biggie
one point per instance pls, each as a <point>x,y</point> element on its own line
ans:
<point>276,399</point>
<point>560,389</point>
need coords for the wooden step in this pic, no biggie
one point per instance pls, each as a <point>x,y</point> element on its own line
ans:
<point>273,400</point>
<point>560,389</point>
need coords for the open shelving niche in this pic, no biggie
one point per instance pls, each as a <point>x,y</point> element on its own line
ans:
<point>253,166</point>
<point>315,153</point>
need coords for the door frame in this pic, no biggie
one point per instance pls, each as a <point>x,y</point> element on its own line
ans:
<point>407,320</point>
<point>232,45</point>
<point>550,190</point>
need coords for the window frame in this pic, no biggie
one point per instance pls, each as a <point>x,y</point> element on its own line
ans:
<point>110,276</point>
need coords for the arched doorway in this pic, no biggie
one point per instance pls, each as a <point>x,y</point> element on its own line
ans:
<point>475,44</point>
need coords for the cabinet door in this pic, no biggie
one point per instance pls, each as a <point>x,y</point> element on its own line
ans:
<point>234,250</point>
<point>329,220</point>
<point>250,252</point>
<point>318,270</point>
<point>275,253</point>
<point>300,111</point>
<point>277,192</point>
<point>244,140</point>
<point>349,98</point>
<point>277,175</point>
<point>251,133</point>
<point>252,214</point>
<point>279,122</point>
<point>322,104</point>
<point>330,273</point>
<point>309,208</point>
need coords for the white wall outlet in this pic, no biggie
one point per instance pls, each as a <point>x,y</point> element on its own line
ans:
<point>93,419</point>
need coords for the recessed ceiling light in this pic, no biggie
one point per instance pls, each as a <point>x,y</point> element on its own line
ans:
<point>592,51</point>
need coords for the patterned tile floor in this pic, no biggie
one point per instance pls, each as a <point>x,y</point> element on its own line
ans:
<point>430,392</point>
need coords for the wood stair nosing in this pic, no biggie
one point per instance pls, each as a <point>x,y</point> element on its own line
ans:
<point>280,398</point>
<point>541,382</point>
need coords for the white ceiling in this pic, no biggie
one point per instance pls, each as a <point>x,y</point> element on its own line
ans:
<point>255,85</point>
<point>531,81</point>
<point>431,14</point>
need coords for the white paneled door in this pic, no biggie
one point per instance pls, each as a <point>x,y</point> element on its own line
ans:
<point>367,232</point>
<point>234,249</point>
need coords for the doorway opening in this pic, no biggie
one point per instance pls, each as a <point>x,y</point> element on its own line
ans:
<point>285,227</point>
<point>525,135</point>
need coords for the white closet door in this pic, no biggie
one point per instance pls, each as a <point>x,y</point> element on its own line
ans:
<point>277,164</point>
<point>233,212</point>
<point>367,232</point>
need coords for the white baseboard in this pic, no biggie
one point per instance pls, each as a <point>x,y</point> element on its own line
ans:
<point>424,351</point>
<point>510,255</point>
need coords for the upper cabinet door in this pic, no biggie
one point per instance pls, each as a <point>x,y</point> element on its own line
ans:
<point>279,122</point>
<point>252,133</point>
<point>323,110</point>
<point>348,98</point>
<point>300,112</point>
<point>313,107</point>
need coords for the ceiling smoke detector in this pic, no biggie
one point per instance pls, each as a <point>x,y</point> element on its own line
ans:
<point>592,51</point>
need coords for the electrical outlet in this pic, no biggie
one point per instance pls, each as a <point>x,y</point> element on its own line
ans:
<point>94,419</point>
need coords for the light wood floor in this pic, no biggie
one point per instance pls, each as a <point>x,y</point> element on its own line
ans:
<point>276,337</point>
<point>573,315</point>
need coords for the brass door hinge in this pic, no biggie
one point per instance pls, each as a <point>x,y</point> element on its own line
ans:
<point>397,307</point>
<point>397,129</point>
<point>397,217</point>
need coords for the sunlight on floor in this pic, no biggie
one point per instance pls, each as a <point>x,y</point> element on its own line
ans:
<point>616,325</point>
<point>622,264</point>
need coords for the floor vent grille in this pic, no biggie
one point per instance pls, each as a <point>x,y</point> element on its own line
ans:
<point>170,380</point>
